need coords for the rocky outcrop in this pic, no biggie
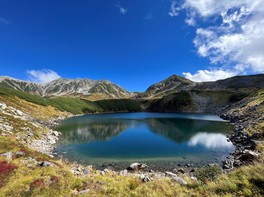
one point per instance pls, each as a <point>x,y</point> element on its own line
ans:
<point>244,115</point>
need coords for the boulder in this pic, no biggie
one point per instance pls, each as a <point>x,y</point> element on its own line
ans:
<point>3,106</point>
<point>170,174</point>
<point>46,164</point>
<point>84,191</point>
<point>86,171</point>
<point>181,170</point>
<point>145,178</point>
<point>20,154</point>
<point>8,156</point>
<point>179,180</point>
<point>137,166</point>
<point>123,173</point>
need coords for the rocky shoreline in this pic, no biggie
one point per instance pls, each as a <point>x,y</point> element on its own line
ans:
<point>245,145</point>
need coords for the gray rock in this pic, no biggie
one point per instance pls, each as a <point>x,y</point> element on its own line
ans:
<point>123,173</point>
<point>179,180</point>
<point>84,191</point>
<point>8,156</point>
<point>46,164</point>
<point>170,174</point>
<point>193,178</point>
<point>20,154</point>
<point>86,171</point>
<point>3,106</point>
<point>181,170</point>
<point>137,166</point>
<point>144,178</point>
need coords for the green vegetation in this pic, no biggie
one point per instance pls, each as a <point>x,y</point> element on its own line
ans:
<point>74,105</point>
<point>208,173</point>
<point>114,105</point>
<point>28,97</point>
<point>69,104</point>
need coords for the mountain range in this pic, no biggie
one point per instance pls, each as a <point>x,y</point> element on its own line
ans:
<point>92,89</point>
<point>174,94</point>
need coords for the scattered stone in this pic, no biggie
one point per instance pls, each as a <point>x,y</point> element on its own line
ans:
<point>144,178</point>
<point>123,173</point>
<point>170,174</point>
<point>18,112</point>
<point>56,133</point>
<point>137,166</point>
<point>84,191</point>
<point>188,165</point>
<point>179,180</point>
<point>86,171</point>
<point>237,163</point>
<point>193,178</point>
<point>3,106</point>
<point>46,164</point>
<point>8,156</point>
<point>20,154</point>
<point>102,173</point>
<point>181,170</point>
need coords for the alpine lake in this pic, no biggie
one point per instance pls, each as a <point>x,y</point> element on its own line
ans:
<point>160,140</point>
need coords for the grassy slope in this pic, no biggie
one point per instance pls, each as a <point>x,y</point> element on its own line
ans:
<point>66,104</point>
<point>245,181</point>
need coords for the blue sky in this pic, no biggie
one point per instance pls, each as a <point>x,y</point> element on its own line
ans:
<point>131,43</point>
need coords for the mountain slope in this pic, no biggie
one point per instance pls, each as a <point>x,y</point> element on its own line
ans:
<point>170,85</point>
<point>68,87</point>
<point>211,97</point>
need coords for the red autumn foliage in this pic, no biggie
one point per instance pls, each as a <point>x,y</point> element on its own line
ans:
<point>5,167</point>
<point>5,170</point>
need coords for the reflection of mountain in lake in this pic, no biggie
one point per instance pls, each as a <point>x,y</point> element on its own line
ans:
<point>85,130</point>
<point>181,130</point>
<point>92,130</point>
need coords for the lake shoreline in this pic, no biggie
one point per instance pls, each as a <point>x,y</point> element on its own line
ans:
<point>160,166</point>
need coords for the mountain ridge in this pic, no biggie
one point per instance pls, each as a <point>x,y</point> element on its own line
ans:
<point>65,87</point>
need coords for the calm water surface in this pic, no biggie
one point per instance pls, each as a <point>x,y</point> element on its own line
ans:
<point>159,139</point>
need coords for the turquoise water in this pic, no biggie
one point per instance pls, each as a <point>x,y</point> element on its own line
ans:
<point>161,138</point>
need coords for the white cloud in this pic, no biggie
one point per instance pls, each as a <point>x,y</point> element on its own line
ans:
<point>174,9</point>
<point>209,75</point>
<point>210,140</point>
<point>232,35</point>
<point>42,76</point>
<point>122,10</point>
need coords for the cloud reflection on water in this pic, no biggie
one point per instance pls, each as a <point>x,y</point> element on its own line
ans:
<point>210,140</point>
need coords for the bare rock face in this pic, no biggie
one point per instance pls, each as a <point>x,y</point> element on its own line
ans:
<point>62,87</point>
